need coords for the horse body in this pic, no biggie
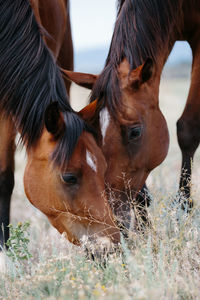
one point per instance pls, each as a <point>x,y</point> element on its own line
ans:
<point>136,139</point>
<point>54,17</point>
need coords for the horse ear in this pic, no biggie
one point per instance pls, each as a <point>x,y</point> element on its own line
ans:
<point>147,70</point>
<point>83,79</point>
<point>54,122</point>
<point>136,77</point>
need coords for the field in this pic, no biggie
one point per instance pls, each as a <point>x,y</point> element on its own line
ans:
<point>162,264</point>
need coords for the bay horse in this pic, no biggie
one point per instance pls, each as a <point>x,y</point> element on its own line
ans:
<point>64,176</point>
<point>131,129</point>
<point>54,16</point>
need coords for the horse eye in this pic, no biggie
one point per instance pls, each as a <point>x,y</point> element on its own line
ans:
<point>134,133</point>
<point>69,178</point>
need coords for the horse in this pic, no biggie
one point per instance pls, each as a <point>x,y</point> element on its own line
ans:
<point>64,175</point>
<point>55,18</point>
<point>131,129</point>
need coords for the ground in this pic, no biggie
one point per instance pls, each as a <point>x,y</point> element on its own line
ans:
<point>162,264</point>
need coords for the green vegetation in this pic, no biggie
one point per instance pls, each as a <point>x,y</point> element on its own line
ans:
<point>18,242</point>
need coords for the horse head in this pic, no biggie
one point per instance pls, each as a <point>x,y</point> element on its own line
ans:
<point>70,193</point>
<point>133,134</point>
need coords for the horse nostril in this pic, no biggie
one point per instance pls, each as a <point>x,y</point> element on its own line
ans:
<point>69,178</point>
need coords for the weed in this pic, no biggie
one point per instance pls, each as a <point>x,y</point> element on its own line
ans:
<point>18,242</point>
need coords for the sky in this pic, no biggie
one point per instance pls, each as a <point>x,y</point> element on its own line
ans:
<point>92,22</point>
<point>92,27</point>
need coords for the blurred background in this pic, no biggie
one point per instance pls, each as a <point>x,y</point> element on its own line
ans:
<point>92,27</point>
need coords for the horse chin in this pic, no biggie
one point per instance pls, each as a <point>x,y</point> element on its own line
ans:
<point>94,237</point>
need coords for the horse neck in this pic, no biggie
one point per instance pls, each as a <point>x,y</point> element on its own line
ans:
<point>143,30</point>
<point>137,36</point>
<point>162,57</point>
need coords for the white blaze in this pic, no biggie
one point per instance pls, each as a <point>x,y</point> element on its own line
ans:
<point>104,121</point>
<point>91,161</point>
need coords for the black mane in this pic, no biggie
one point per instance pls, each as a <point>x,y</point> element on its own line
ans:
<point>29,77</point>
<point>142,29</point>
<point>119,5</point>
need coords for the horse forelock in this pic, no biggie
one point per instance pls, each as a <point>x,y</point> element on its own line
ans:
<point>106,90</point>
<point>141,30</point>
<point>74,127</point>
<point>29,77</point>
<point>119,5</point>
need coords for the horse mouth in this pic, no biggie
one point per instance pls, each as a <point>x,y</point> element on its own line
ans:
<point>84,232</point>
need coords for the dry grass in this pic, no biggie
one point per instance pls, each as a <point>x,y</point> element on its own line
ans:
<point>162,264</point>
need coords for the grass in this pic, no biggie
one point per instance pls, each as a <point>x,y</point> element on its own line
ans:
<point>164,263</point>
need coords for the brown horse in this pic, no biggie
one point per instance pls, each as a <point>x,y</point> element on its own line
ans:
<point>65,170</point>
<point>131,129</point>
<point>54,17</point>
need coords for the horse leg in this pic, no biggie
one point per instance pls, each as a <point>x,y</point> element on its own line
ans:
<point>188,128</point>
<point>7,150</point>
<point>66,58</point>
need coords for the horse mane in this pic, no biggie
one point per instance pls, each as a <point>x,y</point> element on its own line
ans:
<point>30,79</point>
<point>141,30</point>
<point>119,6</point>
